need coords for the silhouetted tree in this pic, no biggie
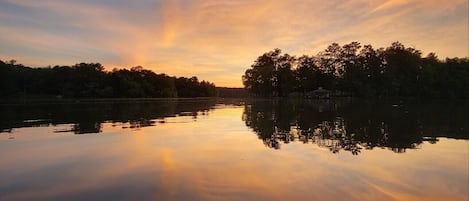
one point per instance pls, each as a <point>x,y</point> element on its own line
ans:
<point>271,74</point>
<point>191,87</point>
<point>351,69</point>
<point>259,79</point>
<point>89,80</point>
<point>284,79</point>
<point>307,74</point>
<point>402,69</point>
<point>372,65</point>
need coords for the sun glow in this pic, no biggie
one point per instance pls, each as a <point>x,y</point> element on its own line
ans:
<point>217,40</point>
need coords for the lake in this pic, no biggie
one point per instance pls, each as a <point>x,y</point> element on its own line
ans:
<point>235,150</point>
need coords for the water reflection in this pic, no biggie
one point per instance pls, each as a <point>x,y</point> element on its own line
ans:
<point>352,125</point>
<point>206,151</point>
<point>87,118</point>
<point>337,125</point>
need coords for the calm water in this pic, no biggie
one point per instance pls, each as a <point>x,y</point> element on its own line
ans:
<point>235,150</point>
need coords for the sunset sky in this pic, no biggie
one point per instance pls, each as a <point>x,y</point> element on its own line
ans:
<point>217,40</point>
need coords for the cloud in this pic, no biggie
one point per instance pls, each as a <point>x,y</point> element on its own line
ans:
<point>215,38</point>
<point>390,4</point>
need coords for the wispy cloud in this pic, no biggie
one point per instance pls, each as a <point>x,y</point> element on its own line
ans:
<point>390,4</point>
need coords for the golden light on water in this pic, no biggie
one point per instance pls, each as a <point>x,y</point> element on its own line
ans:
<point>216,157</point>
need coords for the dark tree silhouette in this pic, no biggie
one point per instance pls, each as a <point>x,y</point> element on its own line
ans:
<point>353,69</point>
<point>89,80</point>
<point>271,74</point>
<point>307,74</point>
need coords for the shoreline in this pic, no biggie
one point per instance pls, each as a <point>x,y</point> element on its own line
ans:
<point>42,100</point>
<point>17,101</point>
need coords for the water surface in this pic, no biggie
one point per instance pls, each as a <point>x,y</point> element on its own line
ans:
<point>234,150</point>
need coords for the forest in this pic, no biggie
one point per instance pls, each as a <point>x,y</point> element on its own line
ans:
<point>340,70</point>
<point>90,80</point>
<point>356,70</point>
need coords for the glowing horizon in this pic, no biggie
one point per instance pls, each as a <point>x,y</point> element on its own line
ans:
<point>217,40</point>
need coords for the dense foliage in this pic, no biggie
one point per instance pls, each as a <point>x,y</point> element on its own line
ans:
<point>358,70</point>
<point>89,80</point>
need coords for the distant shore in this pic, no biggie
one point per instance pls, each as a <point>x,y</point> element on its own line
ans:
<point>19,100</point>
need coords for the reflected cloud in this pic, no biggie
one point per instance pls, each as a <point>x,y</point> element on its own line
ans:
<point>219,158</point>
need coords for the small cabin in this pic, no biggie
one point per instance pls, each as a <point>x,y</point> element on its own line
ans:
<point>320,93</point>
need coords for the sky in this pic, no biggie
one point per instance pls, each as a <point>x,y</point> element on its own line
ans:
<point>217,40</point>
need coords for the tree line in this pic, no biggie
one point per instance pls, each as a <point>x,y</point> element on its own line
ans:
<point>356,70</point>
<point>90,80</point>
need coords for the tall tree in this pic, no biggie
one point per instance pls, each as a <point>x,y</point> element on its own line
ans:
<point>284,79</point>
<point>402,68</point>
<point>307,74</point>
<point>259,79</point>
<point>351,74</point>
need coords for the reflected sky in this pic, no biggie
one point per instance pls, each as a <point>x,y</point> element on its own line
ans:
<point>217,157</point>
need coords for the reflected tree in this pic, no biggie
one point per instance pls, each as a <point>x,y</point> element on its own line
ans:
<point>89,117</point>
<point>348,126</point>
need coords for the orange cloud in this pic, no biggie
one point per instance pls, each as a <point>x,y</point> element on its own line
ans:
<point>215,38</point>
